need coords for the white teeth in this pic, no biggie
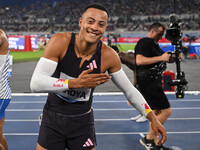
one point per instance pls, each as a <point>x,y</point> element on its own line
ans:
<point>93,34</point>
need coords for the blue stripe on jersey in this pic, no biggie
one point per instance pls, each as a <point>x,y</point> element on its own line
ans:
<point>5,89</point>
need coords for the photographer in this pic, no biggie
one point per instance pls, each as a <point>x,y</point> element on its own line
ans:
<point>150,63</point>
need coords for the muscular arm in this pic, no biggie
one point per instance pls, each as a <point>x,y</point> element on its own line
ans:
<point>120,79</point>
<point>125,57</point>
<point>128,59</point>
<point>134,78</point>
<point>42,80</point>
<point>142,60</point>
<point>134,96</point>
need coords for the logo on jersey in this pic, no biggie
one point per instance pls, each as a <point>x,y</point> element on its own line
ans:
<point>59,82</point>
<point>92,65</point>
<point>88,143</point>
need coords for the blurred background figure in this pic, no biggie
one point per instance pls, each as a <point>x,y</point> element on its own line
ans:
<point>109,39</point>
<point>5,89</point>
<point>185,48</point>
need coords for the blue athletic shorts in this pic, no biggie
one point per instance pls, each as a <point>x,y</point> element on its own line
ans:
<point>3,105</point>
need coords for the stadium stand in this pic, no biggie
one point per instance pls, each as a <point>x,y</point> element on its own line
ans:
<point>62,15</point>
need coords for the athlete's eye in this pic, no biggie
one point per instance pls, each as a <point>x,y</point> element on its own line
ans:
<point>90,21</point>
<point>101,25</point>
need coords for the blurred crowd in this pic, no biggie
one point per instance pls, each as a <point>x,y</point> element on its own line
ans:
<point>62,15</point>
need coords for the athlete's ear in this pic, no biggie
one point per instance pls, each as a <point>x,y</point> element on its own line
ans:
<point>80,21</point>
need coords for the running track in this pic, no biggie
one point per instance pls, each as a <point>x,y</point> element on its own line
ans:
<point>114,129</point>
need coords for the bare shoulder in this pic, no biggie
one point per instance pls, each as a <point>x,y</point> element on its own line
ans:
<point>2,32</point>
<point>2,35</point>
<point>57,46</point>
<point>60,39</point>
<point>3,43</point>
<point>108,52</point>
<point>110,59</point>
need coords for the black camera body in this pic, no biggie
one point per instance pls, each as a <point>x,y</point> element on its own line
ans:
<point>174,34</point>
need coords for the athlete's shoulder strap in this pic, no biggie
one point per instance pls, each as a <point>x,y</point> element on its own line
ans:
<point>72,39</point>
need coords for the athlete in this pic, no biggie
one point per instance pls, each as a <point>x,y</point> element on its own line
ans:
<point>5,90</point>
<point>72,65</point>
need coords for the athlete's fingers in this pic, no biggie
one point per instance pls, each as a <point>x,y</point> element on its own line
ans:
<point>103,77</point>
<point>88,75</point>
<point>163,138</point>
<point>102,80</point>
<point>162,131</point>
<point>88,80</point>
<point>87,71</point>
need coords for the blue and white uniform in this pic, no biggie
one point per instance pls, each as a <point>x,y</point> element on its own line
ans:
<point>5,89</point>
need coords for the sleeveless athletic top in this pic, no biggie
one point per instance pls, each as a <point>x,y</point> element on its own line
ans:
<point>5,89</point>
<point>74,101</point>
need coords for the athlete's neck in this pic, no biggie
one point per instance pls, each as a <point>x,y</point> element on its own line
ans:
<point>84,48</point>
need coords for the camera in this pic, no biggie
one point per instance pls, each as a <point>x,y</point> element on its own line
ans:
<point>174,34</point>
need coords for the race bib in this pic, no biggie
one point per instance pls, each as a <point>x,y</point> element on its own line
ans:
<point>74,95</point>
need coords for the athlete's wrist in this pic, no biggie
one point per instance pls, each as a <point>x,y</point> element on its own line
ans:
<point>151,116</point>
<point>73,83</point>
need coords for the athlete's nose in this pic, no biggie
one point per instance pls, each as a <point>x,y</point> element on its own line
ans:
<point>94,27</point>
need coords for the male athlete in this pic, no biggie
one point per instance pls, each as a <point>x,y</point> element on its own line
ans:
<point>5,90</point>
<point>71,67</point>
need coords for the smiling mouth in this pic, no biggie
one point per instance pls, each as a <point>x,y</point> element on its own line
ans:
<point>93,33</point>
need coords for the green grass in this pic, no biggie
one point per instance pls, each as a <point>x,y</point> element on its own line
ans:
<point>126,47</point>
<point>26,56</point>
<point>35,55</point>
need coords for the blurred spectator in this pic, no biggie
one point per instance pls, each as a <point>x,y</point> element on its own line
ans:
<point>109,39</point>
<point>62,15</point>
<point>184,48</point>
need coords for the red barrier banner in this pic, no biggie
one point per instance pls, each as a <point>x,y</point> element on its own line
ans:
<point>135,40</point>
<point>23,42</point>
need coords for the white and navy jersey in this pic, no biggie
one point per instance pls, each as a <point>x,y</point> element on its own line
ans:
<point>5,89</point>
<point>74,101</point>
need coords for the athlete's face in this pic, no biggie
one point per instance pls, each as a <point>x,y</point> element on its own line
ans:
<point>93,24</point>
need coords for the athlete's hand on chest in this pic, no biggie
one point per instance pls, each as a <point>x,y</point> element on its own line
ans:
<point>87,80</point>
